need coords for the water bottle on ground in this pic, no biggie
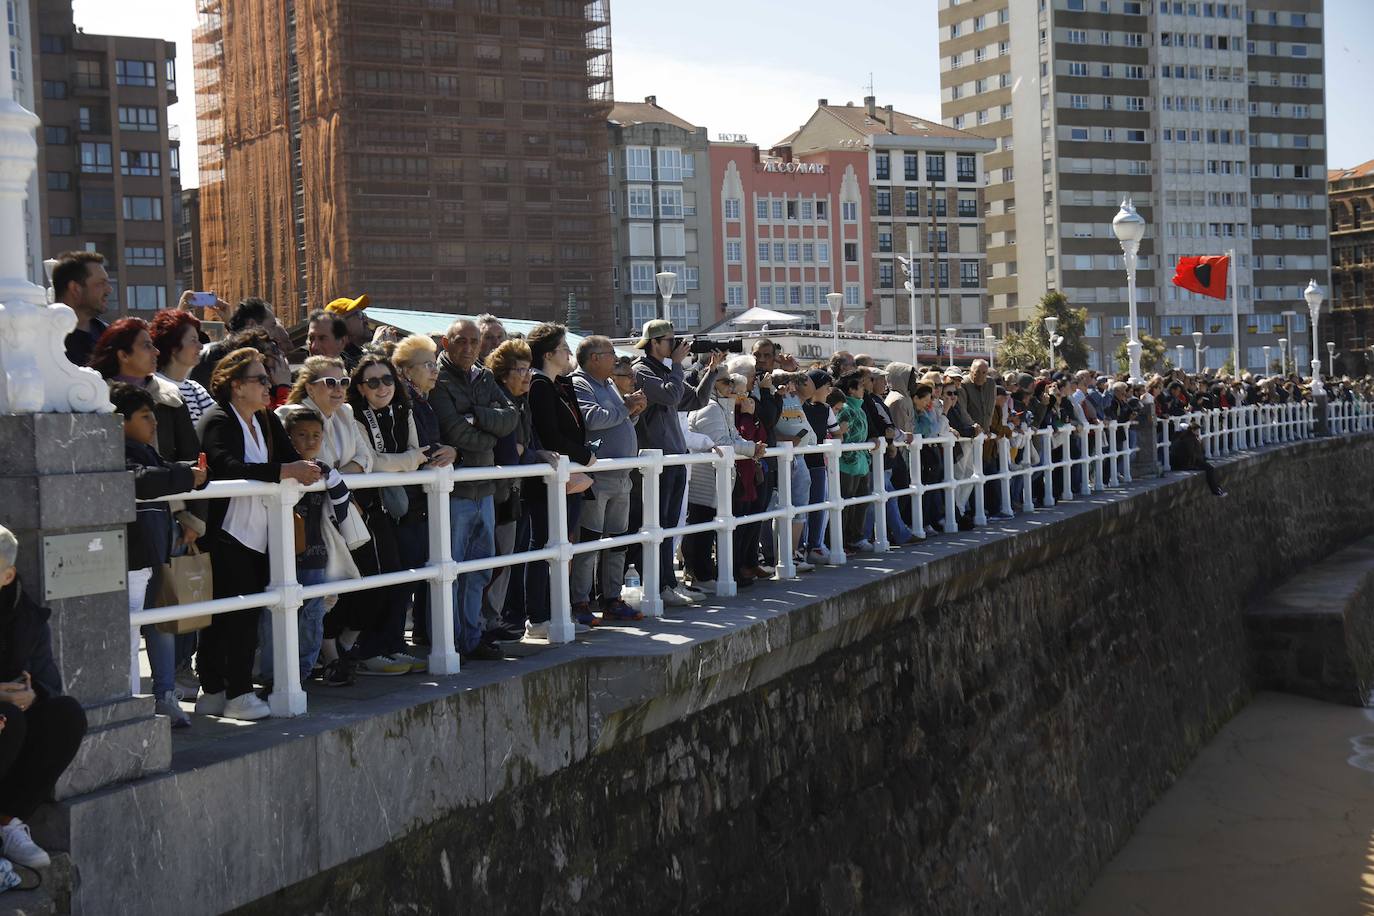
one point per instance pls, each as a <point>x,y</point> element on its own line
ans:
<point>632,590</point>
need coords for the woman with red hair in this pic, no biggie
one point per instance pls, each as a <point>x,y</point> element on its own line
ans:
<point>126,353</point>
<point>176,334</point>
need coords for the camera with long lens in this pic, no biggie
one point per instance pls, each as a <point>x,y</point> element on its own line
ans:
<point>705,345</point>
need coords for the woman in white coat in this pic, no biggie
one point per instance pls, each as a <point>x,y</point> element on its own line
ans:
<point>716,421</point>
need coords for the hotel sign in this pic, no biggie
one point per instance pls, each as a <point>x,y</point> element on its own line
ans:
<point>798,168</point>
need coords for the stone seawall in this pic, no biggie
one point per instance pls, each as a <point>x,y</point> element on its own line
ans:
<point>975,734</point>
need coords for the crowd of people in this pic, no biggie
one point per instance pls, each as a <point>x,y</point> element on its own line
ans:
<point>196,410</point>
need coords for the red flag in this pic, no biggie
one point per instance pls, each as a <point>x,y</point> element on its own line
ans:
<point>1205,275</point>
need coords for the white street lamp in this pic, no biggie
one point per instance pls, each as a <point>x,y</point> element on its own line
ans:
<point>1331,358</point>
<point>836,303</point>
<point>1050,324</point>
<point>909,268</point>
<point>1129,227</point>
<point>1314,295</point>
<point>950,332</point>
<point>1178,349</point>
<point>1197,351</point>
<point>667,281</point>
<point>991,340</point>
<point>1266,359</point>
<point>1283,356</point>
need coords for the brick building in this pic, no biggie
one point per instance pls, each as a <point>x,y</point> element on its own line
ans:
<point>1351,323</point>
<point>434,155</point>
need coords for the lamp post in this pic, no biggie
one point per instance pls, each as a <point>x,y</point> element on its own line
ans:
<point>1050,324</point>
<point>667,280</point>
<point>950,332</point>
<point>836,303</point>
<point>909,268</point>
<point>1288,317</point>
<point>1197,352</point>
<point>1330,358</point>
<point>1266,359</point>
<point>1283,356</point>
<point>1129,227</point>
<point>1178,349</point>
<point>991,340</point>
<point>1314,295</point>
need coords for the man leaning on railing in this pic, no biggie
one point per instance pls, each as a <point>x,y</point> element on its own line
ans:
<point>472,414</point>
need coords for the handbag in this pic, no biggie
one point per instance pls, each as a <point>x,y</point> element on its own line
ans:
<point>339,565</point>
<point>353,528</point>
<point>395,502</point>
<point>185,579</point>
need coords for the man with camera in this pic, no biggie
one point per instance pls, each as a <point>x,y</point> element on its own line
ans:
<point>659,375</point>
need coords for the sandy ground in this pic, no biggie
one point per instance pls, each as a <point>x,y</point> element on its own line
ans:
<point>1275,816</point>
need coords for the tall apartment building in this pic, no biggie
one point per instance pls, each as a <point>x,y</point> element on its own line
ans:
<point>923,184</point>
<point>1210,115</point>
<point>108,162</point>
<point>1351,322</point>
<point>434,155</point>
<point>661,206</point>
<point>189,275</point>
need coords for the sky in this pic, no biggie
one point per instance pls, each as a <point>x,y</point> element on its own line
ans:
<point>707,63</point>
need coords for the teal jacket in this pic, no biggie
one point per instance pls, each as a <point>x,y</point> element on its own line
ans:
<point>854,463</point>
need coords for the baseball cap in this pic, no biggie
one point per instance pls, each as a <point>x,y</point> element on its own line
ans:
<point>343,305</point>
<point>656,327</point>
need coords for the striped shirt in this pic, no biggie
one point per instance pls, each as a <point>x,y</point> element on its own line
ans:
<point>197,399</point>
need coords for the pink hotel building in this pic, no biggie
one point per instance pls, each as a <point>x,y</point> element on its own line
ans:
<point>790,230</point>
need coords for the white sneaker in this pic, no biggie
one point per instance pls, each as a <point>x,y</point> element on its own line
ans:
<point>415,662</point>
<point>819,557</point>
<point>536,630</point>
<point>673,599</point>
<point>168,705</point>
<point>693,595</point>
<point>19,846</point>
<point>701,587</point>
<point>864,546</point>
<point>768,571</point>
<point>381,666</point>
<point>247,707</point>
<point>210,704</point>
<point>800,564</point>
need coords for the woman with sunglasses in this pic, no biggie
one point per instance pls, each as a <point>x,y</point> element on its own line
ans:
<point>387,424</point>
<point>242,440</point>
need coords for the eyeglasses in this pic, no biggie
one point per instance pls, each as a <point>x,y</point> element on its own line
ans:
<point>427,364</point>
<point>520,370</point>
<point>379,381</point>
<point>330,381</point>
<point>952,393</point>
<point>260,379</point>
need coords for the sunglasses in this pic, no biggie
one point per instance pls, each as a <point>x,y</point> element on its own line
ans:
<point>261,379</point>
<point>378,381</point>
<point>950,394</point>
<point>330,381</point>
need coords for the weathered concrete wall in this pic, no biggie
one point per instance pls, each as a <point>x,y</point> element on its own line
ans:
<point>975,735</point>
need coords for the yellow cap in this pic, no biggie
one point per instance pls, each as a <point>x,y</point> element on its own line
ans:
<point>343,305</point>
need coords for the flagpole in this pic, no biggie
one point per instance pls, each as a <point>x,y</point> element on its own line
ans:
<point>1235,314</point>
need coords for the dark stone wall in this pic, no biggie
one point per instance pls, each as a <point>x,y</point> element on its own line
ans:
<point>984,749</point>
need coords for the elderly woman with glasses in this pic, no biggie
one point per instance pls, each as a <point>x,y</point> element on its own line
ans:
<point>242,440</point>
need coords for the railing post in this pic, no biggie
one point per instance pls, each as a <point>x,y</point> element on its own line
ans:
<point>1066,463</point>
<point>287,698</point>
<point>1004,472</point>
<point>651,605</point>
<point>1047,463</point>
<point>878,470</point>
<point>980,515</point>
<point>443,655</point>
<point>1113,430</point>
<point>787,564</point>
<point>561,628</point>
<point>947,453</point>
<point>725,521</point>
<point>832,468</point>
<point>918,514</point>
<point>1085,460</point>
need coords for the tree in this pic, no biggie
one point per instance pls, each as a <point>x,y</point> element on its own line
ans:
<point>1152,358</point>
<point>1029,347</point>
<point>1229,366</point>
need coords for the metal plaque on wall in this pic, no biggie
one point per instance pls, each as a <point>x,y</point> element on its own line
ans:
<point>90,563</point>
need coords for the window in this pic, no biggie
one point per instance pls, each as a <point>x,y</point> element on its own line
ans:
<point>966,167</point>
<point>54,89</point>
<point>132,117</point>
<point>670,203</point>
<point>883,166</point>
<point>1078,133</point>
<point>684,314</point>
<point>144,256</point>
<point>1077,37</point>
<point>88,74</point>
<point>689,165</point>
<point>733,252</point>
<point>761,208</point>
<point>1078,68</point>
<point>97,204</point>
<point>851,294</point>
<point>935,166</point>
<point>57,136</point>
<point>1299,50</point>
<point>1135,136</point>
<point>140,162</point>
<point>823,252</point>
<point>885,241</point>
<point>734,296</point>
<point>820,210</point>
<point>794,252</point>
<point>143,208</point>
<point>642,277</point>
<point>637,164</point>
<point>968,274</point>
<point>732,208</point>
<point>639,203</point>
<point>1135,103</point>
<point>52,44</point>
<point>763,251</point>
<point>765,295</point>
<point>95,158</point>
<point>135,73</point>
<point>849,211</point>
<point>62,181</point>
<point>808,209</point>
<point>909,167</point>
<point>968,207</point>
<point>883,204</point>
<point>669,164</point>
<point>61,225</point>
<point>146,298</point>
<point>779,252</point>
<point>1078,101</point>
<point>885,275</point>
<point>851,252</point>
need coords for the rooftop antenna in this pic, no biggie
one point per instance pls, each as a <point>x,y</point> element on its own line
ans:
<point>870,84</point>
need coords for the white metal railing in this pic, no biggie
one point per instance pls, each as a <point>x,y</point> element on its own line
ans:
<point>1070,462</point>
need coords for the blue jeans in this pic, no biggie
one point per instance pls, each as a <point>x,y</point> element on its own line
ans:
<point>672,488</point>
<point>897,530</point>
<point>161,646</point>
<point>309,630</point>
<point>815,521</point>
<point>473,525</point>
